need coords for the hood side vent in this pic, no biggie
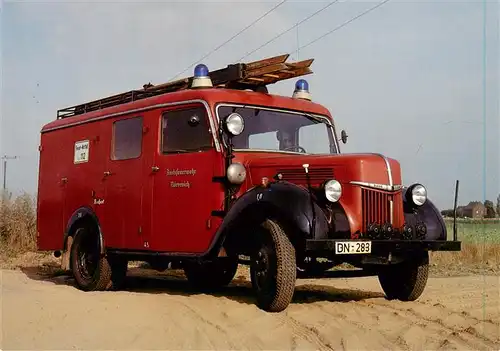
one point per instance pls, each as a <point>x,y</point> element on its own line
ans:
<point>298,175</point>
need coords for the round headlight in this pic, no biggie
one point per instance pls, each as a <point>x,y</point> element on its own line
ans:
<point>418,194</point>
<point>333,190</point>
<point>236,173</point>
<point>235,124</point>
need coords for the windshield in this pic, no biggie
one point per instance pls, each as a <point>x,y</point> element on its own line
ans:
<point>282,131</point>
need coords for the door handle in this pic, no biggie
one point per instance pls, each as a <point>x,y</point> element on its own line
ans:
<point>155,169</point>
<point>107,173</point>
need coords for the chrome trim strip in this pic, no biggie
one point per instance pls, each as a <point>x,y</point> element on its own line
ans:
<point>328,121</point>
<point>386,160</point>
<point>391,212</point>
<point>388,167</point>
<point>385,187</point>
<point>146,108</point>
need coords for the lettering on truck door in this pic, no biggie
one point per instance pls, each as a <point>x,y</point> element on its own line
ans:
<point>184,194</point>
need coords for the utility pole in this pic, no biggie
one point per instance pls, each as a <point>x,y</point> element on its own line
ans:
<point>5,158</point>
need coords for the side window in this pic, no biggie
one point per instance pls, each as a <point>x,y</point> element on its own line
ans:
<point>186,130</point>
<point>127,138</point>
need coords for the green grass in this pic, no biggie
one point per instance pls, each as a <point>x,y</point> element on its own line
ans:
<point>475,231</point>
<point>480,245</point>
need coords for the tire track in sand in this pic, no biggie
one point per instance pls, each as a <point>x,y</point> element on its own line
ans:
<point>199,316</point>
<point>464,336</point>
<point>308,333</point>
<point>364,327</point>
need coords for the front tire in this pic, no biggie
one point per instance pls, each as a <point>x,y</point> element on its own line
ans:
<point>273,268</point>
<point>406,281</point>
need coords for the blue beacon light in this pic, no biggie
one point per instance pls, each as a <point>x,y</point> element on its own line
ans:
<point>201,78</point>
<point>302,90</point>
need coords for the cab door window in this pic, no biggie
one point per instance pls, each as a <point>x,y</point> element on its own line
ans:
<point>185,130</point>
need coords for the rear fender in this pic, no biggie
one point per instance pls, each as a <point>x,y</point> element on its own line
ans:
<point>427,213</point>
<point>80,216</point>
<point>291,204</point>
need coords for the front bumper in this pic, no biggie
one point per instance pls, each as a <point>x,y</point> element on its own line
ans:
<point>351,247</point>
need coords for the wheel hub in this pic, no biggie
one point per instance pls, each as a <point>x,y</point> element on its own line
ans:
<point>88,258</point>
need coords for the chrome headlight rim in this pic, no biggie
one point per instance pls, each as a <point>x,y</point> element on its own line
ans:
<point>234,124</point>
<point>417,194</point>
<point>332,190</point>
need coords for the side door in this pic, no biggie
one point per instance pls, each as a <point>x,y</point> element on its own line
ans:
<point>121,206</point>
<point>184,192</point>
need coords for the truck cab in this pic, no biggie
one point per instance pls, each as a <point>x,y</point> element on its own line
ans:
<point>212,171</point>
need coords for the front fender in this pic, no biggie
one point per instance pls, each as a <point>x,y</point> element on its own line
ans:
<point>429,214</point>
<point>289,201</point>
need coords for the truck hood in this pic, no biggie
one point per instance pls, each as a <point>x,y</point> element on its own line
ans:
<point>364,167</point>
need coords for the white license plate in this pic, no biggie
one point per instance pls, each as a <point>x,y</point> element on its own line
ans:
<point>352,247</point>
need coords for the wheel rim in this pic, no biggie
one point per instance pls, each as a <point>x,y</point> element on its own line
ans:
<point>264,268</point>
<point>88,257</point>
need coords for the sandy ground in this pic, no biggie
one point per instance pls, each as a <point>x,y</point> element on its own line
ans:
<point>159,311</point>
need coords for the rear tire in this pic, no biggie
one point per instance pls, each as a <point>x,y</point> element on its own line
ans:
<point>273,268</point>
<point>90,269</point>
<point>406,281</point>
<point>213,274</point>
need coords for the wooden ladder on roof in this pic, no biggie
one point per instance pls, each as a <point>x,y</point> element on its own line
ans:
<point>254,75</point>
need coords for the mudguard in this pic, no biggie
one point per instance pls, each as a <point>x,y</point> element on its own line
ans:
<point>429,214</point>
<point>83,213</point>
<point>289,200</point>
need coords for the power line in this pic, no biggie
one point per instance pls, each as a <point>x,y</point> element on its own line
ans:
<point>289,29</point>
<point>343,24</point>
<point>227,41</point>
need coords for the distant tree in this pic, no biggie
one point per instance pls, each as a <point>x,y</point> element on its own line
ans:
<point>447,213</point>
<point>498,205</point>
<point>490,209</point>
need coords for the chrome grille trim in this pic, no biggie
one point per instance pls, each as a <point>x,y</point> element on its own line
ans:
<point>379,207</point>
<point>386,161</point>
<point>385,187</point>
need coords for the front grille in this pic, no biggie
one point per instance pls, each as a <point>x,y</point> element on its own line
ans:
<point>377,208</point>
<point>298,175</point>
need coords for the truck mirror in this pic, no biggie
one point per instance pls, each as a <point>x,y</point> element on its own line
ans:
<point>343,136</point>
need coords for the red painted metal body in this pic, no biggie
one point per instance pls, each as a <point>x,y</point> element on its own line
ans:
<point>144,203</point>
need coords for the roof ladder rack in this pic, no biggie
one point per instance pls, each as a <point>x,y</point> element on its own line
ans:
<point>254,75</point>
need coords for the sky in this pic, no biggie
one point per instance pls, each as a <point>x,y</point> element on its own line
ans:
<point>404,80</point>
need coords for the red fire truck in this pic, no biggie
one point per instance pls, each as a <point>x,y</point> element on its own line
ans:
<point>212,171</point>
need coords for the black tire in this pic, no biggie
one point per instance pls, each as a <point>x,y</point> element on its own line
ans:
<point>406,281</point>
<point>273,268</point>
<point>211,275</point>
<point>90,269</point>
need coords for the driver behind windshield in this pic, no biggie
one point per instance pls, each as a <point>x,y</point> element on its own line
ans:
<point>285,140</point>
